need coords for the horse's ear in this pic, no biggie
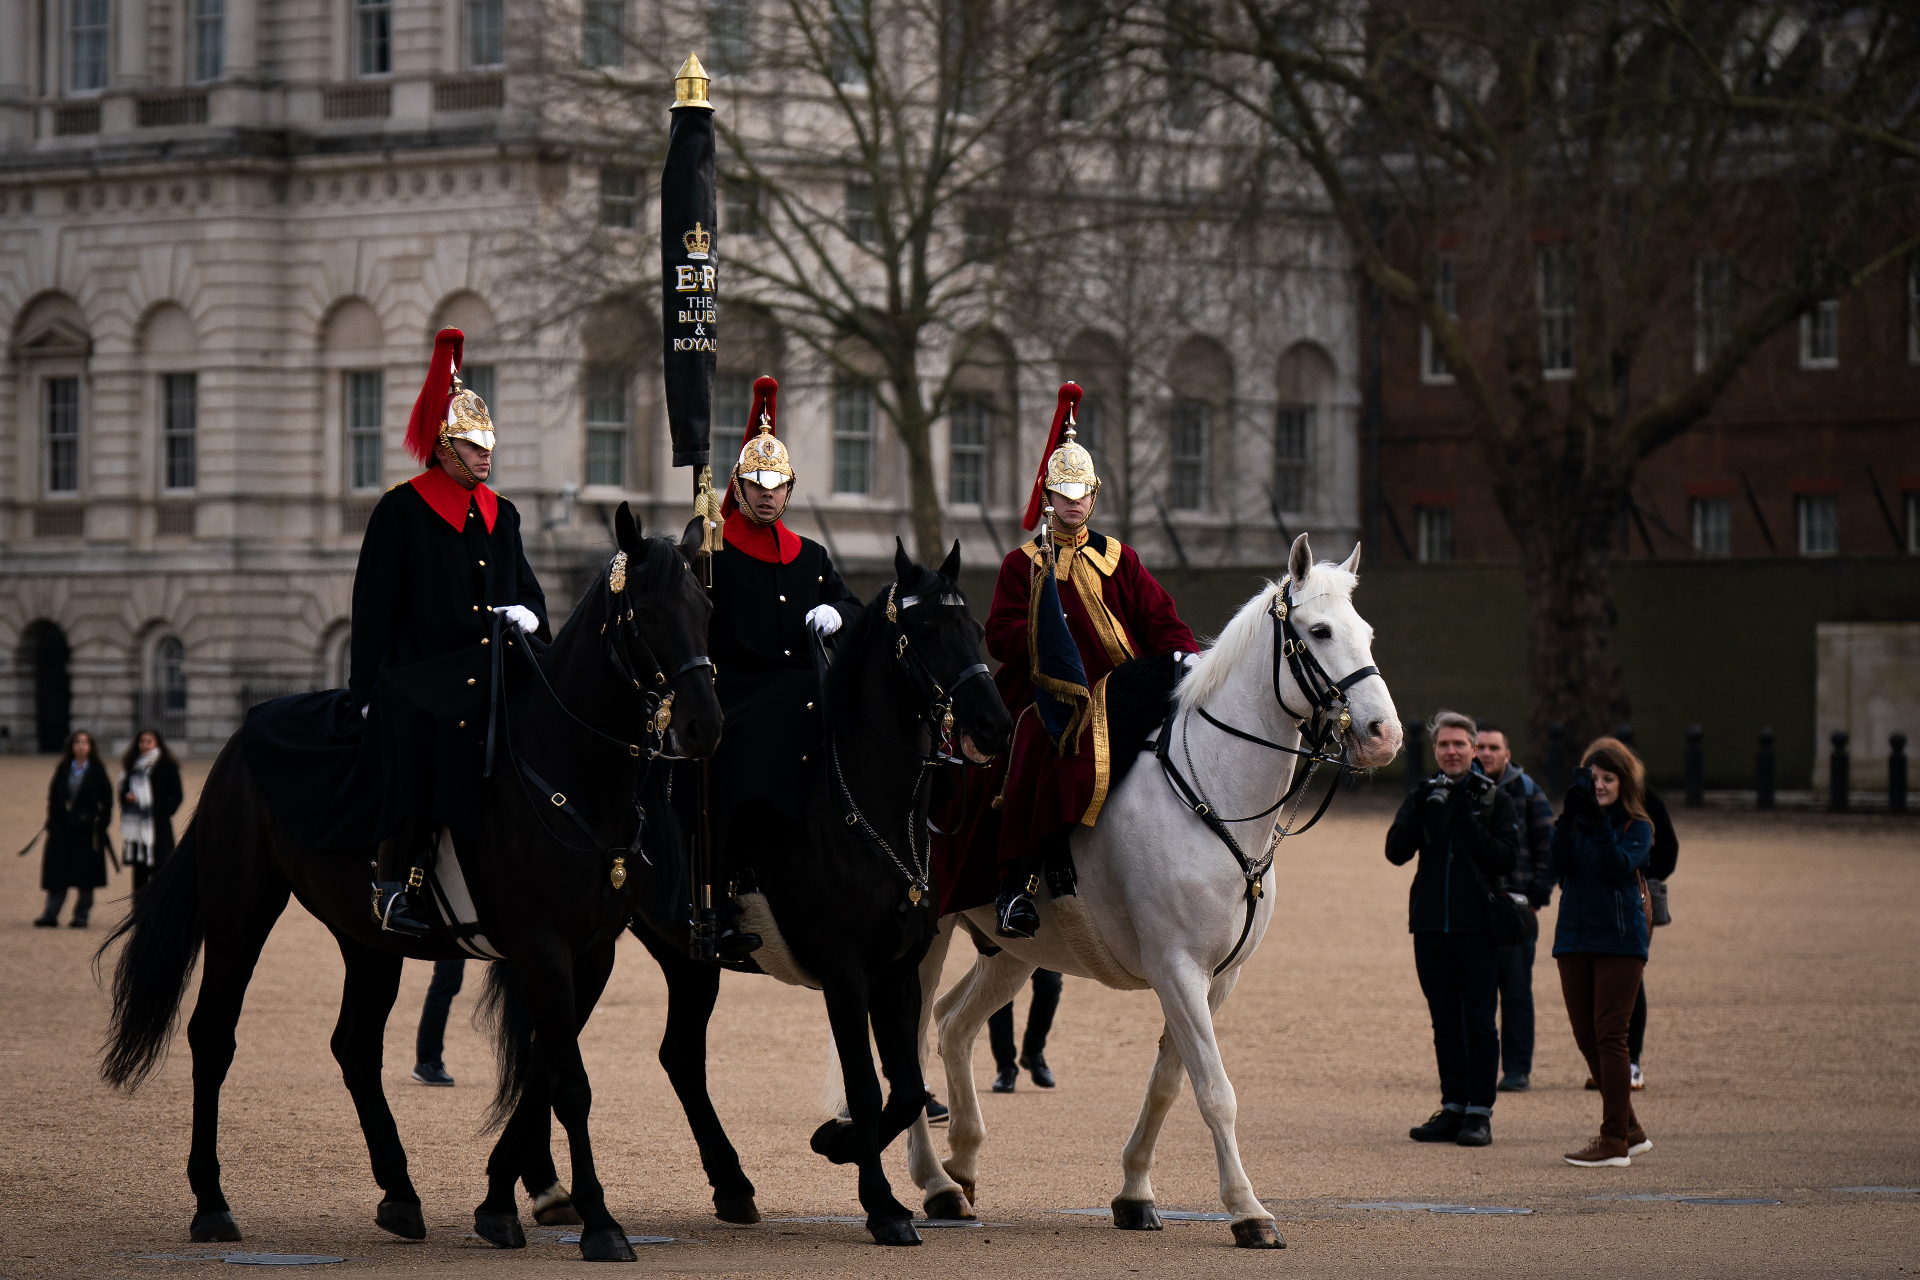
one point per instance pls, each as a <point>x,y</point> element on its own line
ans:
<point>626,529</point>
<point>692,539</point>
<point>903,567</point>
<point>1352,562</point>
<point>951,565</point>
<point>1300,559</point>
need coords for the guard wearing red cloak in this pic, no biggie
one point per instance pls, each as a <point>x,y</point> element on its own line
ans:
<point>1114,611</point>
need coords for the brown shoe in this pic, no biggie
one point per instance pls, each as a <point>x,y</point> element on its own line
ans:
<point>1601,1153</point>
<point>1638,1143</point>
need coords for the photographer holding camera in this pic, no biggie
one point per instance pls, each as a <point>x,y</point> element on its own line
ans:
<point>1467,833</point>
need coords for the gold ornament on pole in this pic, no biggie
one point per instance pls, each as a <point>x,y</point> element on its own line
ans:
<point>690,84</point>
<point>706,505</point>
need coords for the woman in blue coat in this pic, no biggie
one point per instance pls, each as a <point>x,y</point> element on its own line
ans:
<point>1600,847</point>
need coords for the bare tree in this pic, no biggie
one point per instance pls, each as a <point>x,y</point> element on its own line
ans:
<point>1701,175</point>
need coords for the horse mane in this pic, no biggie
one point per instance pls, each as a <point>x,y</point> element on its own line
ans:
<point>1248,628</point>
<point>843,673</point>
<point>644,575</point>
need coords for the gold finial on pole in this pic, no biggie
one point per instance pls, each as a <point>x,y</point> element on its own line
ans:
<point>690,85</point>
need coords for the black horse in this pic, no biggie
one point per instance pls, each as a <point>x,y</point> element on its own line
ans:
<point>848,888</point>
<point>548,866</point>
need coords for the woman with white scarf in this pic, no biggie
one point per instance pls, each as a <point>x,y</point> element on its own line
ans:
<point>150,794</point>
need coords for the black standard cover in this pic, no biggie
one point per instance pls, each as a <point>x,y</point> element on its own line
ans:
<point>769,682</point>
<point>421,601</point>
<point>689,267</point>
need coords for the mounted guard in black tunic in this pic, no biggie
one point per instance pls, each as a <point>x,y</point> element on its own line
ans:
<point>400,753</point>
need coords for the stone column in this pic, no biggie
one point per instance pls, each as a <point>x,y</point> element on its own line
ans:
<point>243,39</point>
<point>130,44</point>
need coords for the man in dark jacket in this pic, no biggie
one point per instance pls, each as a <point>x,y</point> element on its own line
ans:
<point>1529,883</point>
<point>1467,835</point>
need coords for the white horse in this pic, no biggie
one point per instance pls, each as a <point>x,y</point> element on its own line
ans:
<point>1162,902</point>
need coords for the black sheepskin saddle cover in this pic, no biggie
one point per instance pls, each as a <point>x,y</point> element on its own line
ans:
<point>1138,692</point>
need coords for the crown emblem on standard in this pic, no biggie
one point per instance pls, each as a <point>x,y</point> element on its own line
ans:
<point>698,242</point>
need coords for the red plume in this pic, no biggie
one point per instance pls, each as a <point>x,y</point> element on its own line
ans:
<point>766,390</point>
<point>1069,399</point>
<point>430,410</point>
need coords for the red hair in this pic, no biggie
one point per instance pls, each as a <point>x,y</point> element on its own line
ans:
<point>436,393</point>
<point>1069,401</point>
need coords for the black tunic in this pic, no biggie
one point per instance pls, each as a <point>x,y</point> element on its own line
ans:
<point>422,597</point>
<point>770,669</point>
<point>75,856</point>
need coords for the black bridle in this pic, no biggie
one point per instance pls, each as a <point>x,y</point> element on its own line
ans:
<point>1325,724</point>
<point>936,716</point>
<point>626,649</point>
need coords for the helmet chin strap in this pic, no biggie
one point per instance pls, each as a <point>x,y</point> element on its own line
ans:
<point>746,508</point>
<point>471,481</point>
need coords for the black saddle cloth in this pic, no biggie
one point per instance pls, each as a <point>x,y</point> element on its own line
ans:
<point>1138,692</point>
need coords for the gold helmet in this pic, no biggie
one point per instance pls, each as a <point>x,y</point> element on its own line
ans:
<point>467,418</point>
<point>763,459</point>
<point>1070,470</point>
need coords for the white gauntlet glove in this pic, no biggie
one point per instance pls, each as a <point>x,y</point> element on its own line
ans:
<point>1186,659</point>
<point>824,619</point>
<point>519,615</point>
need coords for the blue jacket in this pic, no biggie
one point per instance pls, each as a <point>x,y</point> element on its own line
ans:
<point>1597,859</point>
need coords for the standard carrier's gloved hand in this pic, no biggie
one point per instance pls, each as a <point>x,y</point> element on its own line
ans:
<point>1186,659</point>
<point>824,619</point>
<point>519,615</point>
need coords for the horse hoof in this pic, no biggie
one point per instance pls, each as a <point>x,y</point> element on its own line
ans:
<point>1257,1233</point>
<point>949,1206</point>
<point>402,1218</point>
<point>738,1209</point>
<point>1139,1215</point>
<point>829,1140</point>
<point>502,1229</point>
<point>216,1227</point>
<point>562,1214</point>
<point>893,1231</point>
<point>609,1244</point>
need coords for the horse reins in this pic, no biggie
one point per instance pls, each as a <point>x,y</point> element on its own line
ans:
<point>1325,724</point>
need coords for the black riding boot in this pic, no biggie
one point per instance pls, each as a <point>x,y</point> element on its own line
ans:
<point>399,904</point>
<point>1015,909</point>
<point>734,942</point>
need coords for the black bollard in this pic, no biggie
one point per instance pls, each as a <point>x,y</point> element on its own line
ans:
<point>1763,772</point>
<point>1416,749</point>
<point>1838,779</point>
<point>1897,773</point>
<point>1556,778</point>
<point>1696,767</point>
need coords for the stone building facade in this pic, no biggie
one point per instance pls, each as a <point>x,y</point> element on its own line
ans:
<point>228,231</point>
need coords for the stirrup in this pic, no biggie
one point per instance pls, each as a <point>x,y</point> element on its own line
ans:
<point>399,916</point>
<point>1007,926</point>
<point>737,944</point>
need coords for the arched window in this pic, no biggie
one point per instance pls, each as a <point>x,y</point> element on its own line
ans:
<point>162,701</point>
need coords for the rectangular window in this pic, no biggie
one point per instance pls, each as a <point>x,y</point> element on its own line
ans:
<point>970,418</point>
<point>1913,524</point>
<point>179,427</point>
<point>1079,92</point>
<point>603,34</point>
<point>740,208</point>
<point>732,403</point>
<point>1820,335</point>
<point>366,398</point>
<point>1186,110</point>
<point>1557,292</point>
<point>87,31</point>
<point>1187,444</point>
<point>1712,307</point>
<point>1712,527</point>
<point>1292,453</point>
<point>861,227</point>
<point>620,198</point>
<point>373,37</point>
<point>486,33</point>
<point>852,43</point>
<point>607,421</point>
<point>1913,309</point>
<point>1818,518</point>
<point>209,39</point>
<point>984,234</point>
<point>1087,422</point>
<point>63,435</point>
<point>729,37</point>
<point>1435,532</point>
<point>852,438</point>
<point>479,379</point>
<point>1433,365</point>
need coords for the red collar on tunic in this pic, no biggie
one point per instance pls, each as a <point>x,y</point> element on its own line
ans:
<point>449,498</point>
<point>773,543</point>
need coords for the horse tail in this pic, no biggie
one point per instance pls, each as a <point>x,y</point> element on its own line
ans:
<point>163,935</point>
<point>503,1016</point>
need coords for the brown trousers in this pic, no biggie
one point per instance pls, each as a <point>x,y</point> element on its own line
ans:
<point>1600,991</point>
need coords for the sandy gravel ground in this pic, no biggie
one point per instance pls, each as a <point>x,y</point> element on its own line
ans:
<point>1781,1061</point>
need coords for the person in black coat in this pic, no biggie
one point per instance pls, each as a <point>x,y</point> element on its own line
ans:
<point>399,754</point>
<point>1467,835</point>
<point>150,794</point>
<point>776,601</point>
<point>79,806</point>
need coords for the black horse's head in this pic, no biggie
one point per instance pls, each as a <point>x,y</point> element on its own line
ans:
<point>943,649</point>
<point>656,591</point>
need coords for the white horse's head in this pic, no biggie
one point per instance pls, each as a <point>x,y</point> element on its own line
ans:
<point>1332,631</point>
